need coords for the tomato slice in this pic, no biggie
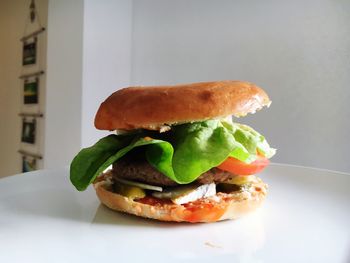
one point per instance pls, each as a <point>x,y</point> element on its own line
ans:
<point>238,167</point>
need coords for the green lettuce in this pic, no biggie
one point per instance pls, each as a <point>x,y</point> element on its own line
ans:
<point>186,152</point>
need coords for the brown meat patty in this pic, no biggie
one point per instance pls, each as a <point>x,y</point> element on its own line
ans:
<point>140,170</point>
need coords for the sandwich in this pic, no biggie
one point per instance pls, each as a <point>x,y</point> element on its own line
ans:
<point>176,154</point>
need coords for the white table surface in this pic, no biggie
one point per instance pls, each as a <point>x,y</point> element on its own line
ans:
<point>306,218</point>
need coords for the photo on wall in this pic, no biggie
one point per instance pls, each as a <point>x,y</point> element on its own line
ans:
<point>28,164</point>
<point>29,53</point>
<point>31,91</point>
<point>28,130</point>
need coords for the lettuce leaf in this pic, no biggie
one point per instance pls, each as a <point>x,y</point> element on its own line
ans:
<point>252,141</point>
<point>198,147</point>
<point>188,151</point>
<point>92,161</point>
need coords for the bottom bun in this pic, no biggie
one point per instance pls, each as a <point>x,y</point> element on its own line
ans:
<point>222,206</point>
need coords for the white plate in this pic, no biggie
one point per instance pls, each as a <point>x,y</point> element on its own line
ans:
<point>306,218</point>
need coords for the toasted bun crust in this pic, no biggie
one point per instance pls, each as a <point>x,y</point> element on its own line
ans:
<point>153,107</point>
<point>220,207</point>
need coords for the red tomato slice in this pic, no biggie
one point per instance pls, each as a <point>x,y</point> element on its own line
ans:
<point>238,167</point>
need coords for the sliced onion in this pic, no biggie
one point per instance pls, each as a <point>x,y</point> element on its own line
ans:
<point>141,185</point>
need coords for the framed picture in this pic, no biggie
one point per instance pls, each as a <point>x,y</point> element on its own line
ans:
<point>28,164</point>
<point>28,130</point>
<point>29,53</point>
<point>31,91</point>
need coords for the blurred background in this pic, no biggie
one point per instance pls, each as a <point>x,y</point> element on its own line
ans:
<point>298,51</point>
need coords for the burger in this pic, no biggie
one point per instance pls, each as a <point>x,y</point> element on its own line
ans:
<point>176,154</point>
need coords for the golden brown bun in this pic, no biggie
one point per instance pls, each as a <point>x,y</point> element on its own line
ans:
<point>220,207</point>
<point>153,107</point>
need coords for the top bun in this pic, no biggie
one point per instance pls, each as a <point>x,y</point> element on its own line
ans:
<point>154,108</point>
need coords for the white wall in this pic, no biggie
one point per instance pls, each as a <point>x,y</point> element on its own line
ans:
<point>89,44</point>
<point>64,82</point>
<point>298,51</point>
<point>106,58</point>
<point>14,24</point>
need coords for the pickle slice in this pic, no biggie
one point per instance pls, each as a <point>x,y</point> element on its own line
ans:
<point>132,192</point>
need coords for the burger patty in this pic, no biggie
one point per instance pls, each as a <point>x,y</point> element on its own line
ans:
<point>140,170</point>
